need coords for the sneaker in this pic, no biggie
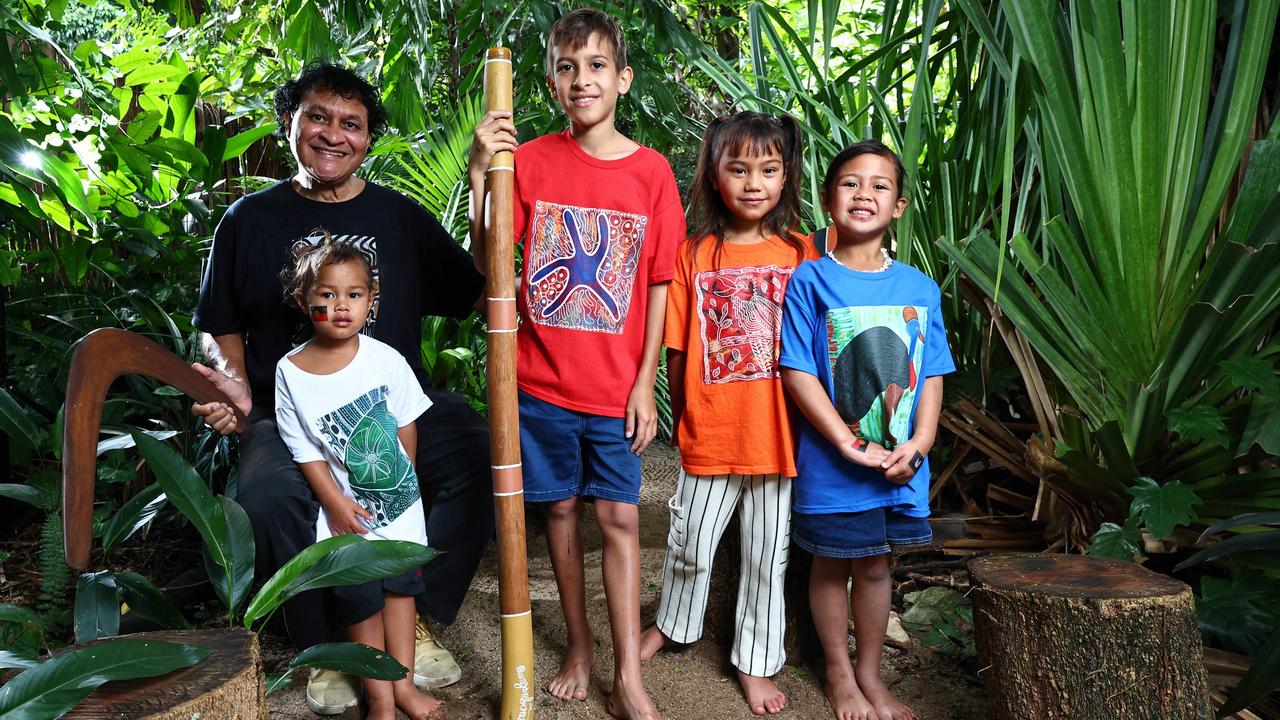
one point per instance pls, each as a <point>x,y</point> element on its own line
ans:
<point>330,692</point>
<point>433,664</point>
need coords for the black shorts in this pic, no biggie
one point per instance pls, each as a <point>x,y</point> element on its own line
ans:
<point>357,603</point>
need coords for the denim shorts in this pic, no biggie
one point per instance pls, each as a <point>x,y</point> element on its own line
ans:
<point>567,454</point>
<point>877,531</point>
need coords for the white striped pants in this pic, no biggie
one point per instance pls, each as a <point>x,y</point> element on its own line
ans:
<point>700,511</point>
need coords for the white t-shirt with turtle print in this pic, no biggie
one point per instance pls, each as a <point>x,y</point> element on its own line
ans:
<point>349,419</point>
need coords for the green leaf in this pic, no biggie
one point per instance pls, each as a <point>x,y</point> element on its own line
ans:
<point>1236,610</point>
<point>53,687</point>
<point>1163,507</point>
<point>351,658</point>
<point>15,422</point>
<point>236,578</point>
<point>238,143</point>
<point>339,560</point>
<point>178,122</point>
<point>10,613</point>
<point>1113,541</point>
<point>1245,542</point>
<point>193,499</point>
<point>11,659</point>
<point>1252,373</point>
<point>97,611</point>
<point>308,33</point>
<point>133,515</point>
<point>1199,423</point>
<point>1262,678</point>
<point>28,494</point>
<point>1263,426</point>
<point>149,601</point>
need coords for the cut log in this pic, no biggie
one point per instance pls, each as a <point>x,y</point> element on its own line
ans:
<point>227,685</point>
<point>1072,637</point>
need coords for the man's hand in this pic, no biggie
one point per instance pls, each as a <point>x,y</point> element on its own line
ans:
<point>901,464</point>
<point>642,418</point>
<point>496,133</point>
<point>344,516</point>
<point>218,415</point>
<point>864,453</point>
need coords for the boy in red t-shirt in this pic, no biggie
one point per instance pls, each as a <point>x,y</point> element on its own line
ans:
<point>601,218</point>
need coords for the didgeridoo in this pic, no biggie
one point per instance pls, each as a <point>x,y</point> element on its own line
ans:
<point>504,414</point>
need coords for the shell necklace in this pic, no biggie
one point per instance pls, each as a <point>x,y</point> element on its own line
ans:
<point>883,266</point>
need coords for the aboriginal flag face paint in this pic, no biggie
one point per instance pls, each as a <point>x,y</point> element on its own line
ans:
<point>319,313</point>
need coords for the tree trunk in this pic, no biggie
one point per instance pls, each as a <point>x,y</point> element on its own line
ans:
<point>1082,638</point>
<point>227,685</point>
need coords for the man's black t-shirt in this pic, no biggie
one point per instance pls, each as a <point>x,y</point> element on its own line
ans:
<point>419,268</point>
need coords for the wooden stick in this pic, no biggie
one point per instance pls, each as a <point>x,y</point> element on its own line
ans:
<point>504,412</point>
<point>100,357</point>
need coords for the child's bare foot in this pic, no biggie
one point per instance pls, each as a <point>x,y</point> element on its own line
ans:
<point>887,706</point>
<point>847,701</point>
<point>651,641</point>
<point>763,696</point>
<point>417,704</point>
<point>630,703</point>
<point>574,677</point>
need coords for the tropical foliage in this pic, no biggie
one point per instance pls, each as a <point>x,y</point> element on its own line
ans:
<point>1094,185</point>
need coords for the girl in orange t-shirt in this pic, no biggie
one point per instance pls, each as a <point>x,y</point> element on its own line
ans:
<point>724,313</point>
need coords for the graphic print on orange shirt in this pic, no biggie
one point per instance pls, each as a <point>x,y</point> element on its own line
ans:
<point>740,313</point>
<point>582,266</point>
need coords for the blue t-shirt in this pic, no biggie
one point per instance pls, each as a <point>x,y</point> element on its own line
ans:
<point>870,338</point>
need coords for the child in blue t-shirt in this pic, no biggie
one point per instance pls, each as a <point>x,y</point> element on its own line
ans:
<point>863,352</point>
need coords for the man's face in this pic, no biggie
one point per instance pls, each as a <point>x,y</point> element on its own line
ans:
<point>587,81</point>
<point>329,136</point>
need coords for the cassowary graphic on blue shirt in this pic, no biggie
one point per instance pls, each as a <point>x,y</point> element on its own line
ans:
<point>876,365</point>
<point>583,267</point>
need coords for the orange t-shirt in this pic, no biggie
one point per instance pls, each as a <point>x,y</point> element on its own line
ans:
<point>724,311</point>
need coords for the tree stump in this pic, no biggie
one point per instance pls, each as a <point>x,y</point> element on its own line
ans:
<point>227,685</point>
<point>1072,637</point>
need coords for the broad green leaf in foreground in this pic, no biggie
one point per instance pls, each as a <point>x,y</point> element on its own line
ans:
<point>352,658</point>
<point>1163,507</point>
<point>53,687</point>
<point>339,560</point>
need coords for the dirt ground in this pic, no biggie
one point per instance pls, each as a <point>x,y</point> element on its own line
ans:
<point>691,683</point>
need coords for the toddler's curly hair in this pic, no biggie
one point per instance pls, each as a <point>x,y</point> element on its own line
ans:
<point>309,259</point>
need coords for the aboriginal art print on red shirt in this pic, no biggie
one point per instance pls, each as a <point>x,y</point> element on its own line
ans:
<point>740,314</point>
<point>582,265</point>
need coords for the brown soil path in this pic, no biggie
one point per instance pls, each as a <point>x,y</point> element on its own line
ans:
<point>693,683</point>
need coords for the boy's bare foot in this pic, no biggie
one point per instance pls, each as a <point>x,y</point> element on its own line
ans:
<point>628,703</point>
<point>847,701</point>
<point>763,696</point>
<point>651,641</point>
<point>417,704</point>
<point>887,706</point>
<point>574,678</point>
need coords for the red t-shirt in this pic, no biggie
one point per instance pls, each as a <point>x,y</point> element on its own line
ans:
<point>597,234</point>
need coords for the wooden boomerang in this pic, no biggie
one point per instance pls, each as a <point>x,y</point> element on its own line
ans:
<point>100,357</point>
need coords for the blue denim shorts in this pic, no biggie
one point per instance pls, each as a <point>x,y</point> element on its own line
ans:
<point>877,531</point>
<point>573,454</point>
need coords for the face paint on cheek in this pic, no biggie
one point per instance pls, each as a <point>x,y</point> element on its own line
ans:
<point>319,313</point>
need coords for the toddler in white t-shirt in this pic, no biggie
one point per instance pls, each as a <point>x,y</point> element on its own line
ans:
<point>346,406</point>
